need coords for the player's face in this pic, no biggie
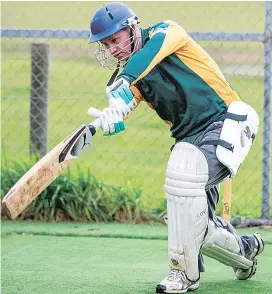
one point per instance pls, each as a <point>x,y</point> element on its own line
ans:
<point>119,44</point>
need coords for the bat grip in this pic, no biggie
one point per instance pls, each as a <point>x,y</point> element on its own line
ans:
<point>94,126</point>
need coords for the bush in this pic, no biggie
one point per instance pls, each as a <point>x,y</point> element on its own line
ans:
<point>80,198</point>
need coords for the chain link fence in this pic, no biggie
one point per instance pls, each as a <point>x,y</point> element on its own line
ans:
<point>237,35</point>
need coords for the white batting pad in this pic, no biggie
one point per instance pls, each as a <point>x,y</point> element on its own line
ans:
<point>223,246</point>
<point>240,134</point>
<point>186,177</point>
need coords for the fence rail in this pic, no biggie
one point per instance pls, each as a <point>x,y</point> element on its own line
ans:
<point>83,34</point>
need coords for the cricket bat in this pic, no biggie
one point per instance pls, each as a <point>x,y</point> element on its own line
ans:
<point>227,199</point>
<point>48,168</point>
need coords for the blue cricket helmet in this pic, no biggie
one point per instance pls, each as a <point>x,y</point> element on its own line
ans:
<point>110,19</point>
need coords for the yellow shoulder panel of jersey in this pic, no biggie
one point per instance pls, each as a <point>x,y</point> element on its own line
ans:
<point>175,37</point>
<point>199,61</point>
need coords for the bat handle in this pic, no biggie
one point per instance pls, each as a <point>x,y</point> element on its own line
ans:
<point>96,124</point>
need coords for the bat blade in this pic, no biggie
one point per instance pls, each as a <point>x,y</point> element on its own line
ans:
<point>45,171</point>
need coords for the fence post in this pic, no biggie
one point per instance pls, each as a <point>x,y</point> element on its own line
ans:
<point>39,98</point>
<point>267,111</point>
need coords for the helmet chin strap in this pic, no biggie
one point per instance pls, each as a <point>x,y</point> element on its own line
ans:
<point>114,75</point>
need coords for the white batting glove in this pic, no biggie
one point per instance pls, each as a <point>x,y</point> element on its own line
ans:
<point>111,120</point>
<point>121,97</point>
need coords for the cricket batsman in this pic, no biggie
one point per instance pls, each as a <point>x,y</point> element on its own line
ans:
<point>213,131</point>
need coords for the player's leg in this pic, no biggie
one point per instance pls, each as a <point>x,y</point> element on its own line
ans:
<point>232,250</point>
<point>186,178</point>
<point>221,241</point>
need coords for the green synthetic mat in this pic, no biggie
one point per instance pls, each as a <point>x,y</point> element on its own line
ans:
<point>85,265</point>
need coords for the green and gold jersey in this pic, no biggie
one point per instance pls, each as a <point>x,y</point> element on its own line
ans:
<point>178,79</point>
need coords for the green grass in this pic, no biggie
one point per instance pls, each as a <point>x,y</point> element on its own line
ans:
<point>55,265</point>
<point>201,16</point>
<point>110,230</point>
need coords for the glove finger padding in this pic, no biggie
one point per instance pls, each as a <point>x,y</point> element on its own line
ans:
<point>109,119</point>
<point>116,102</point>
<point>112,121</point>
<point>119,125</point>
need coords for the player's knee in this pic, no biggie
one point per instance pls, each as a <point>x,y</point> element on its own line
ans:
<point>186,178</point>
<point>187,172</point>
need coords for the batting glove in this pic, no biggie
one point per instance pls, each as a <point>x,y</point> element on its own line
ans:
<point>121,97</point>
<point>111,120</point>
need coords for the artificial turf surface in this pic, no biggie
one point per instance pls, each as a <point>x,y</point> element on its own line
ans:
<point>36,258</point>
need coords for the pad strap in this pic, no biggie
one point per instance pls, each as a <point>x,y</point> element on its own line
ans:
<point>225,144</point>
<point>236,117</point>
<point>218,142</point>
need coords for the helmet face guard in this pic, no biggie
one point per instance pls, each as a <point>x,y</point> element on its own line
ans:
<point>107,21</point>
<point>128,46</point>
